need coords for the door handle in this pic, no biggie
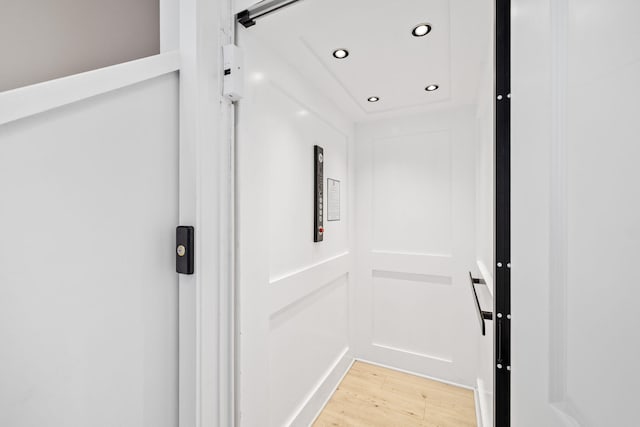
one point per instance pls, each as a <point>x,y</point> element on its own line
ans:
<point>482,315</point>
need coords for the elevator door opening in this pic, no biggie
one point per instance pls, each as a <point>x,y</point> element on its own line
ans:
<point>402,105</point>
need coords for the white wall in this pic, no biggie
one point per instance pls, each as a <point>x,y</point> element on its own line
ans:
<point>293,293</point>
<point>415,206</point>
<point>43,40</point>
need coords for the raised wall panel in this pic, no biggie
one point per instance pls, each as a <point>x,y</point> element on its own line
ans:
<point>290,129</point>
<point>405,318</point>
<point>306,338</point>
<point>415,201</point>
<point>411,193</point>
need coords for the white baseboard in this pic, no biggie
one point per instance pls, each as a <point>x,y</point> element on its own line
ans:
<point>484,406</point>
<point>415,373</point>
<point>311,408</point>
<point>476,398</point>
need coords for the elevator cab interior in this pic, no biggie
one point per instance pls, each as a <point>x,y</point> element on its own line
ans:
<point>364,201</point>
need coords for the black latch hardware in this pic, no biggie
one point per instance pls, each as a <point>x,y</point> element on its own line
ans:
<point>185,249</point>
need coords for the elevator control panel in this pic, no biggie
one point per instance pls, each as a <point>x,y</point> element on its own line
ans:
<point>318,223</point>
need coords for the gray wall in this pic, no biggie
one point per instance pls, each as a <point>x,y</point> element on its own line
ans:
<point>46,39</point>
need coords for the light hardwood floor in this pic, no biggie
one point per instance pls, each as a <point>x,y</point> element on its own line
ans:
<point>373,396</point>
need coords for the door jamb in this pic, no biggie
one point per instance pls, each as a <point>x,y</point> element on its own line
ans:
<point>206,202</point>
<point>502,267</point>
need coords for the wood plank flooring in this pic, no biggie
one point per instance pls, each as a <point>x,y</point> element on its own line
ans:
<point>373,396</point>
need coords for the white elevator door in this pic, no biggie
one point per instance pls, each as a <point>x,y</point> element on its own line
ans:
<point>88,289</point>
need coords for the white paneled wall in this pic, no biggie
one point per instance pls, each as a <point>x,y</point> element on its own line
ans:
<point>411,192</point>
<point>89,306</point>
<point>293,293</point>
<point>415,244</point>
<point>307,339</point>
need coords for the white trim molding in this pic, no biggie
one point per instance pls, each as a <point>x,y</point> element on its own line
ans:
<point>206,201</point>
<point>287,290</point>
<point>27,101</point>
<point>558,245</point>
<point>406,371</point>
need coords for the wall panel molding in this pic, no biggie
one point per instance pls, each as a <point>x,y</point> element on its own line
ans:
<point>425,264</point>
<point>387,347</point>
<point>558,244</point>
<point>412,169</point>
<point>290,289</point>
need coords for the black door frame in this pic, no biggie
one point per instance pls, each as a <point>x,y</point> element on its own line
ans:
<point>502,268</point>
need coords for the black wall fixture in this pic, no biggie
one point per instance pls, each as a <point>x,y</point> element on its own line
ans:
<point>185,249</point>
<point>318,193</point>
<point>502,269</point>
<point>247,18</point>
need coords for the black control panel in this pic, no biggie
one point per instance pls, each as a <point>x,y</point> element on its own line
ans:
<point>318,227</point>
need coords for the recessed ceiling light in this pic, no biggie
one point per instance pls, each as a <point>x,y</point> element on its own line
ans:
<point>421,30</point>
<point>431,88</point>
<point>340,53</point>
<point>373,99</point>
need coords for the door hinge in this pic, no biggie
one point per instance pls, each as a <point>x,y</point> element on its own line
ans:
<point>185,249</point>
